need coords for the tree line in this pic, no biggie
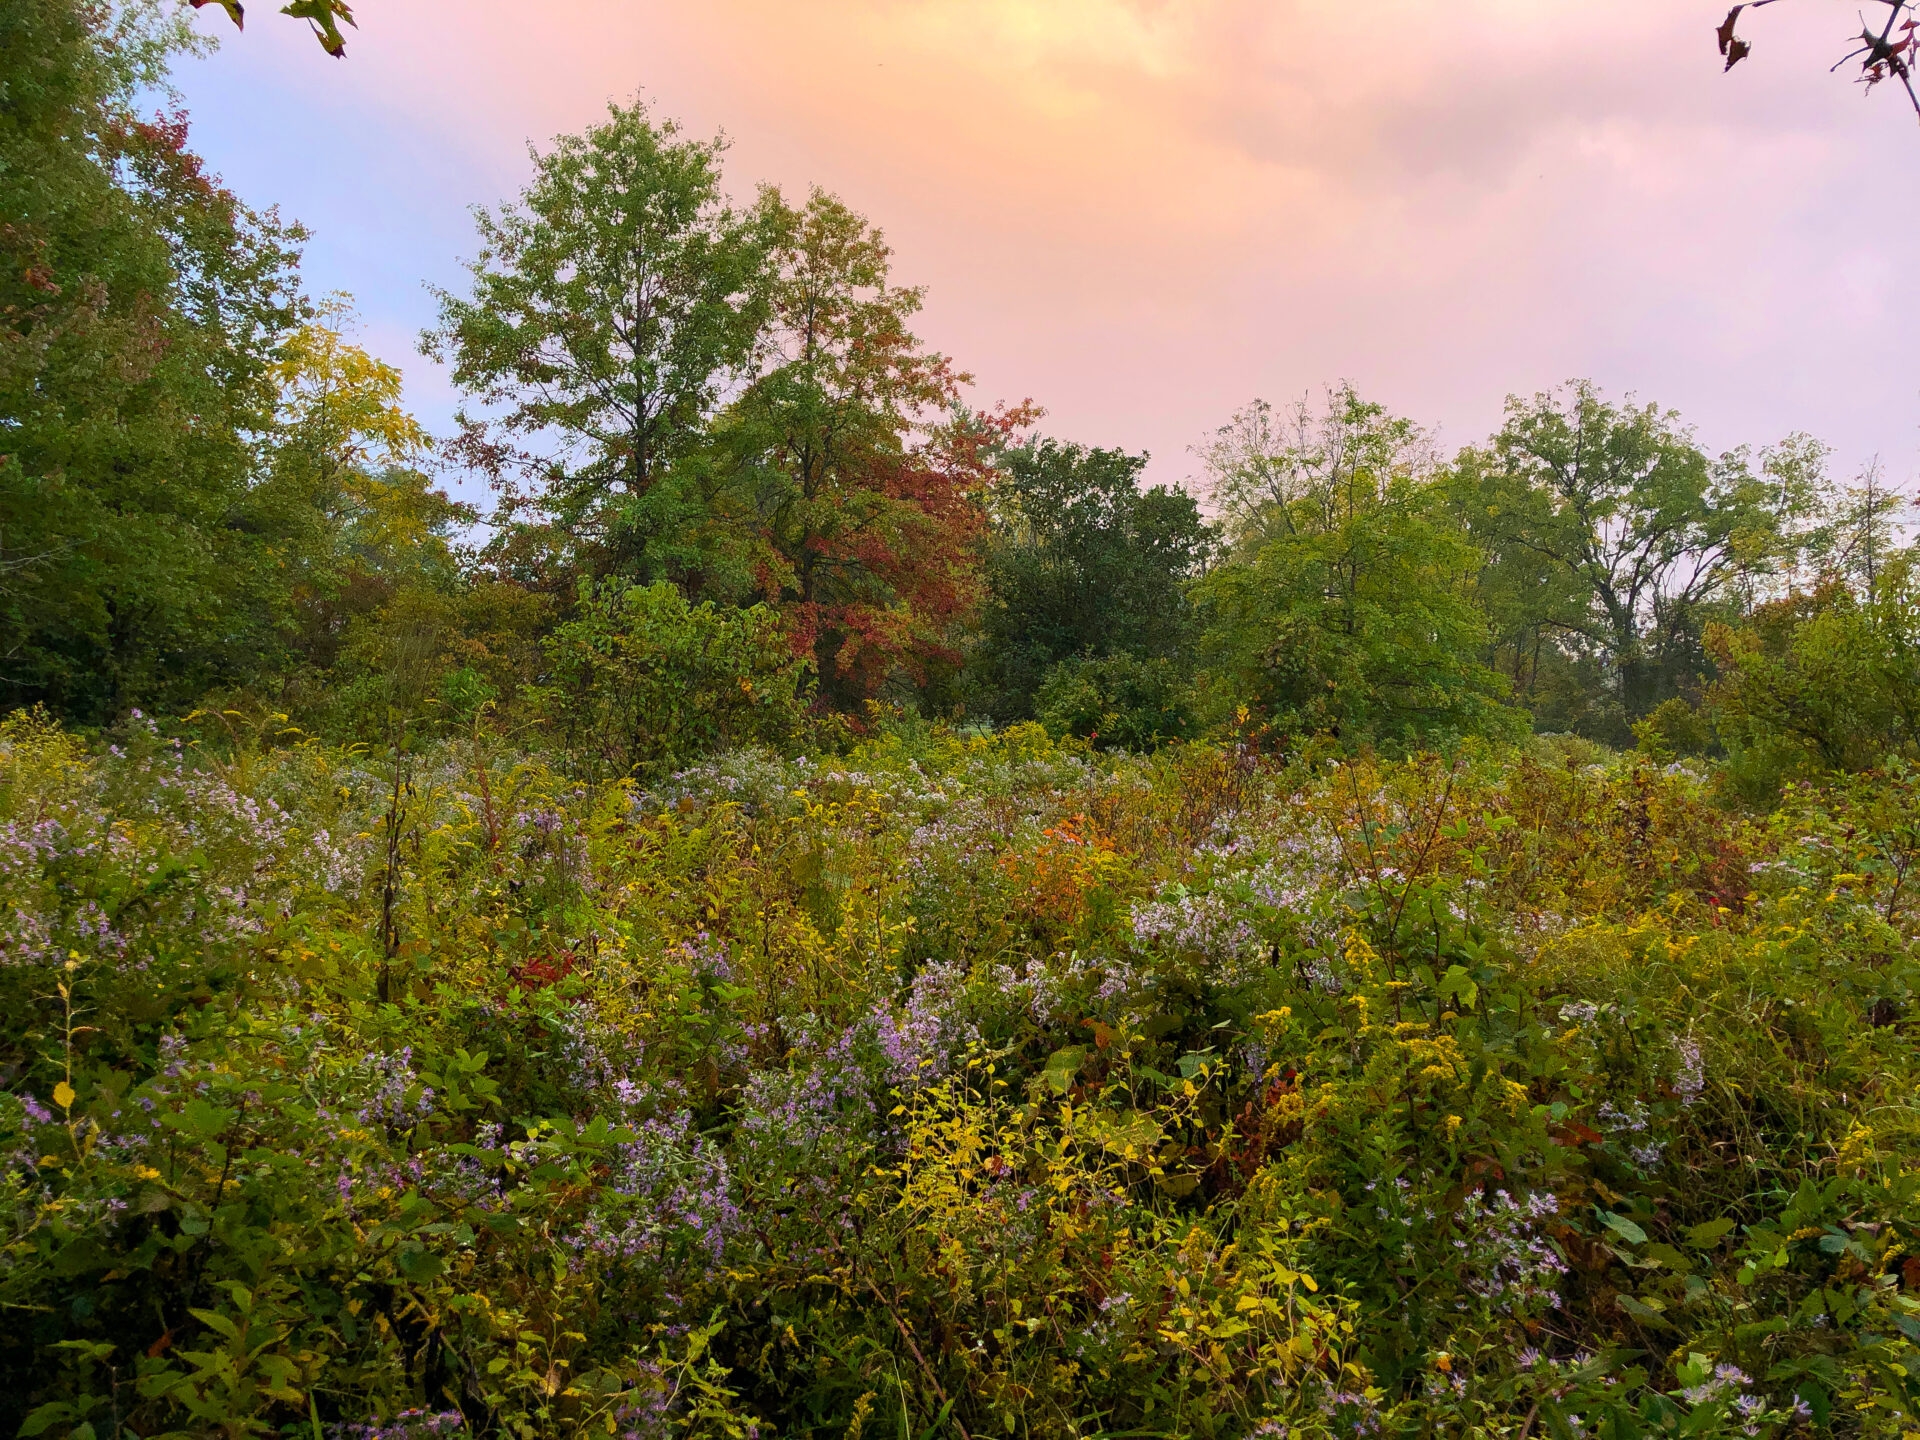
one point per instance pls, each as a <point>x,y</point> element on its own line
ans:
<point>738,499</point>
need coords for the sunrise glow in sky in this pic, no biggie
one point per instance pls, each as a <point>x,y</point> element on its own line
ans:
<point>1143,213</point>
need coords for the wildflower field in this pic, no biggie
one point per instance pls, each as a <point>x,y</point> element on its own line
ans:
<point>953,1085</point>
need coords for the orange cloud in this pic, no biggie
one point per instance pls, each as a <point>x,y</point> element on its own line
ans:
<point>1142,212</point>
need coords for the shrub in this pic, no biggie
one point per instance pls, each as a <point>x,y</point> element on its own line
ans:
<point>965,1083</point>
<point>1118,703</point>
<point>639,681</point>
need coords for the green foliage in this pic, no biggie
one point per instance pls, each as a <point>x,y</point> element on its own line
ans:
<point>967,1083</point>
<point>1611,540</point>
<point>139,307</point>
<point>1819,682</point>
<point>1343,605</point>
<point>670,389</point>
<point>639,681</point>
<point>1120,703</point>
<point>633,1077</point>
<point>1082,563</point>
<point>612,307</point>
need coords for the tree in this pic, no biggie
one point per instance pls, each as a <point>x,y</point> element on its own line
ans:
<point>1344,604</point>
<point>613,309</point>
<point>670,389</point>
<point>846,483</point>
<point>1886,51</point>
<point>1610,535</point>
<point>140,308</point>
<point>341,479</point>
<point>1083,563</point>
<point>394,633</point>
<point>1820,681</point>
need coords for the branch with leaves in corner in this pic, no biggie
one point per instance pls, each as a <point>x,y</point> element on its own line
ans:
<point>325,16</point>
<point>1887,53</point>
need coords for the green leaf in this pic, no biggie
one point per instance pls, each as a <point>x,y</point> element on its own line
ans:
<point>1458,984</point>
<point>215,1321</point>
<point>418,1264</point>
<point>1703,1236</point>
<point>1623,1227</point>
<point>1641,1311</point>
<point>1130,1133</point>
<point>200,1120</point>
<point>235,11</point>
<point>1192,1064</point>
<point>1062,1066</point>
<point>45,1416</point>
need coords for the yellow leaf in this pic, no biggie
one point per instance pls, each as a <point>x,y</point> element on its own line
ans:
<point>63,1095</point>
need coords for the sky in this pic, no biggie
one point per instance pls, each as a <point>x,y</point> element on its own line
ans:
<point>1142,214</point>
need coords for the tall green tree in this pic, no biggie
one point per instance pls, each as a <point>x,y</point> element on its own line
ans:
<point>1083,563</point>
<point>613,309</point>
<point>1344,604</point>
<point>140,307</point>
<point>1612,538</point>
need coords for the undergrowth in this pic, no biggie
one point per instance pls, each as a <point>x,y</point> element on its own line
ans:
<point>956,1085</point>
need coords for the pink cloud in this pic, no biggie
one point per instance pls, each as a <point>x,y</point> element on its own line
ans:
<point>1144,212</point>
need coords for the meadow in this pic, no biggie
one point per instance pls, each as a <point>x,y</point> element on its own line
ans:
<point>956,1083</point>
<point>744,889</point>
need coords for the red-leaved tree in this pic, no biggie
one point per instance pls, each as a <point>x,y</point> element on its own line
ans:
<point>857,477</point>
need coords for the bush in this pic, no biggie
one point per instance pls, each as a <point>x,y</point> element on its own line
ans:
<point>1820,682</point>
<point>1119,703</point>
<point>640,682</point>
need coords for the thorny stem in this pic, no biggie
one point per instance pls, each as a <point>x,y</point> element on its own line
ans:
<point>66,1039</point>
<point>921,1360</point>
<point>390,883</point>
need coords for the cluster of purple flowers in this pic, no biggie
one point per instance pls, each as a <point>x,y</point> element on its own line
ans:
<point>596,1055</point>
<point>670,1190</point>
<point>1508,1262</point>
<point>36,1113</point>
<point>923,1037</point>
<point>1725,1380</point>
<point>1205,924</point>
<point>1690,1074</point>
<point>1630,1121</point>
<point>407,1425</point>
<point>26,846</point>
<point>398,1100</point>
<point>967,836</point>
<point>706,956</point>
<point>825,1104</point>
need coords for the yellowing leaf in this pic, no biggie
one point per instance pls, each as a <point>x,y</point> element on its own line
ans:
<point>63,1095</point>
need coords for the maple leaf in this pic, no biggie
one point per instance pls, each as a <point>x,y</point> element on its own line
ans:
<point>235,11</point>
<point>1725,33</point>
<point>1731,45</point>
<point>325,17</point>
